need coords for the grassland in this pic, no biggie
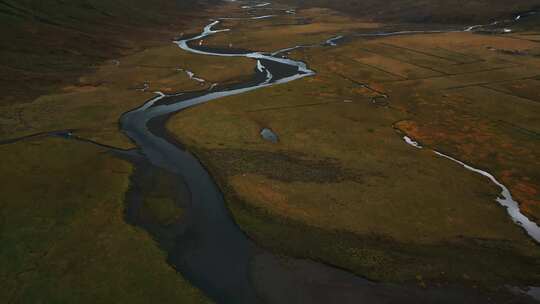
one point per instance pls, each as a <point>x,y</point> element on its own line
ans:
<point>93,101</point>
<point>64,238</point>
<point>341,185</point>
<point>313,27</point>
<point>62,227</point>
<point>48,44</point>
<point>93,104</point>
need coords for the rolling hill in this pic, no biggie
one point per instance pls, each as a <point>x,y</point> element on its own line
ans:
<point>431,11</point>
<point>46,43</point>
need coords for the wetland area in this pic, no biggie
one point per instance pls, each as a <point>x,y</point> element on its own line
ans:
<point>275,152</point>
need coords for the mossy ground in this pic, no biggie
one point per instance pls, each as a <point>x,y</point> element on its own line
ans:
<point>62,228</point>
<point>63,234</point>
<point>340,186</point>
<point>94,104</point>
<point>48,44</point>
<point>159,205</point>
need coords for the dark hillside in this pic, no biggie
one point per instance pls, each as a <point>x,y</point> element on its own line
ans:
<point>48,42</point>
<point>432,11</point>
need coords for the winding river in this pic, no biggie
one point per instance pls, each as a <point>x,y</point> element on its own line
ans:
<point>214,254</point>
<point>207,247</point>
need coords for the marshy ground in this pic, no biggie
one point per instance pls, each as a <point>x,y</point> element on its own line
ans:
<point>340,186</point>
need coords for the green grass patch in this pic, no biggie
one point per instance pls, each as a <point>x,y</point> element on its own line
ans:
<point>63,235</point>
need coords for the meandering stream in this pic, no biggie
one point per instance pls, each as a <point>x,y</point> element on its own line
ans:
<point>208,248</point>
<point>505,199</point>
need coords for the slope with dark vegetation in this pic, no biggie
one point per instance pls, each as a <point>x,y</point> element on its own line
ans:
<point>62,225</point>
<point>431,11</point>
<point>47,43</point>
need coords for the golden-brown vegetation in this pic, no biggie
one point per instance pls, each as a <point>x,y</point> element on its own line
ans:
<point>385,210</point>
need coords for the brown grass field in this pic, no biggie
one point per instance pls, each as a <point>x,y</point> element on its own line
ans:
<point>344,187</point>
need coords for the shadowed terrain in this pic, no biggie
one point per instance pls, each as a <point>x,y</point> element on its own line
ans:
<point>49,43</point>
<point>425,11</point>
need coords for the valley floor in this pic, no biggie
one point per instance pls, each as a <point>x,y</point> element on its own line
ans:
<point>341,186</point>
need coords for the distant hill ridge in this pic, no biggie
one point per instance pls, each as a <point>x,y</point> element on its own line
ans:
<point>426,11</point>
<point>84,14</point>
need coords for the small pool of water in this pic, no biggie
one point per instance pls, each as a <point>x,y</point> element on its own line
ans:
<point>269,135</point>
